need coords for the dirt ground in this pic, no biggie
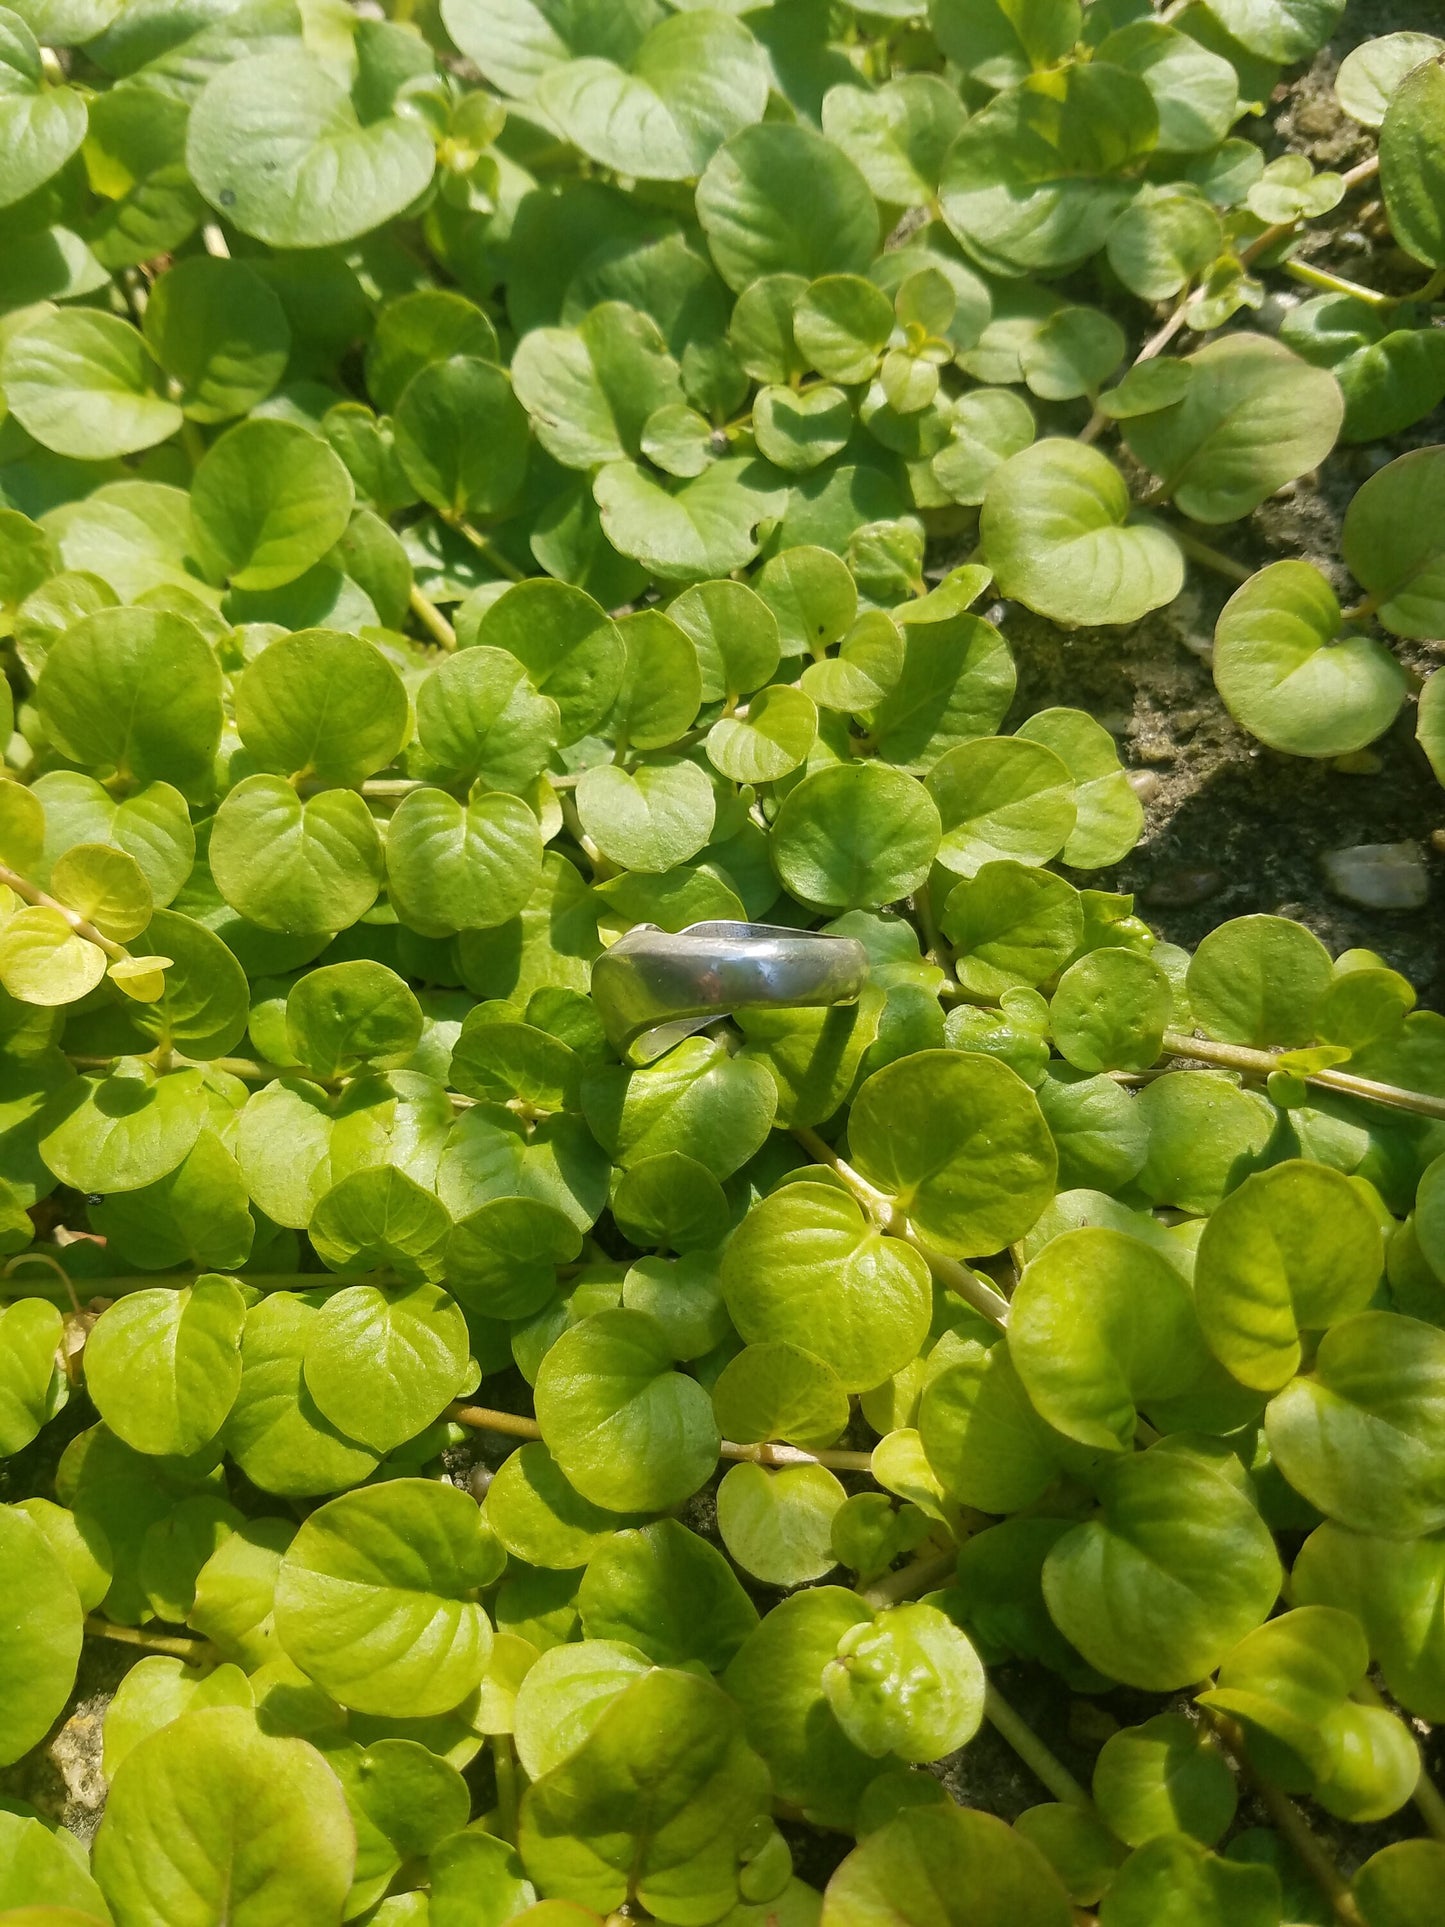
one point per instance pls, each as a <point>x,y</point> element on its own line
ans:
<point>1233,827</point>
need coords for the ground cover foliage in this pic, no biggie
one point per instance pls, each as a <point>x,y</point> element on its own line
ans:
<point>466,483</point>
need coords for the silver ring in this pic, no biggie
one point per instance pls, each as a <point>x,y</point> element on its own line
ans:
<point>655,987</point>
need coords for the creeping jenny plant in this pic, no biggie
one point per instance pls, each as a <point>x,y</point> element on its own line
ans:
<point>465,481</point>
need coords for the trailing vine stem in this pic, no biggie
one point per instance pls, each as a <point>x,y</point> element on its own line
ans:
<point>1045,1765</point>
<point>431,619</point>
<point>1261,1063</point>
<point>195,1652</point>
<point>1288,1819</point>
<point>482,1418</point>
<point>33,894</point>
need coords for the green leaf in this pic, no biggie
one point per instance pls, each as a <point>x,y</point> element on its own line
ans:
<point>479,719</point>
<point>380,1217</point>
<point>219,331</point>
<point>780,198</point>
<point>960,1143</point>
<point>85,385</point>
<point>1361,1436</point>
<point>40,126</point>
<point>137,693</point>
<point>777,1390</point>
<point>797,431</point>
<point>1391,542</point>
<point>662,685</point>
<point>1109,816</point>
<point>1291,678</point>
<point>654,1804</point>
<point>376,1598</point>
<point>1280,30</point>
<point>932,1867</point>
<point>1371,73</point>
<point>157,1691</point>
<point>381,1366</point>
<point>855,836</point>
<point>896,135</point>
<point>164,1367</point>
<point>1011,926</point>
<point>1259,418</point>
<point>698,1099</point>
<point>516,42</point>
<point>1111,1010</point>
<point>1205,1135</point>
<point>416,329</point>
<point>118,1132</point>
<point>30,1389</point>
<point>1002,798</point>
<point>694,80</point>
<point>1057,534</point>
<point>275,1433</point>
<point>1163,1778</point>
<point>955,682</point>
<point>268,500</point>
<point>1037,179</point>
<point>502,1260</point>
<point>293,864</point>
<point>278,147</point>
<point>1295,1248</point>
<point>1195,91</point>
<point>650,819</point>
<point>1258,981</point>
<point>1393,1588</point>
<point>539,1517</point>
<point>322,704</point>
<point>629,1433</point>
<point>1103,1325</point>
<point>1173,1873</point>
<point>668,1592</point>
<point>910,1684</point>
<point>981,1435</point>
<point>1000,42</point>
<point>805,1268</point>
<point>453,866</point>
<point>778,1526</point>
<point>211,1814</point>
<point>462,437</point>
<point>1172,1528</point>
<point>572,650</point>
<point>842,324</point>
<point>706,527</point>
<point>40,1653</point>
<point>735,634</point>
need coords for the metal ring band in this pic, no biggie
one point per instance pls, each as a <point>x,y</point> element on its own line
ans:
<point>654,987</point>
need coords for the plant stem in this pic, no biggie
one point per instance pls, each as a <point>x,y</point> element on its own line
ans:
<point>431,619</point>
<point>122,1284</point>
<point>485,547</point>
<point>1260,1063</point>
<point>1336,284</point>
<point>195,1652</point>
<point>32,893</point>
<point>250,1069</point>
<point>880,1207</point>
<point>1288,1819</point>
<point>513,1425</point>
<point>504,1765</point>
<point>1044,1764</point>
<point>921,1575</point>
<point>1215,559</point>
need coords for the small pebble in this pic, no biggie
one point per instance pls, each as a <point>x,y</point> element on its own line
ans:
<point>1380,876</point>
<point>1145,783</point>
<point>1182,888</point>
